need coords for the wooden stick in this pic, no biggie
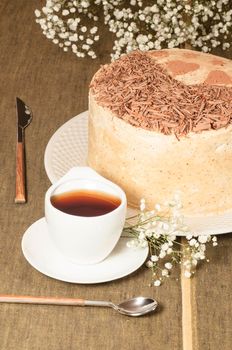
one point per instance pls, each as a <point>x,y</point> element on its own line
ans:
<point>189,325</point>
<point>20,195</point>
<point>187,331</point>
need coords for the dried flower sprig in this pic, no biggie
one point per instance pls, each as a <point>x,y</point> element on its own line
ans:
<point>137,24</point>
<point>159,229</point>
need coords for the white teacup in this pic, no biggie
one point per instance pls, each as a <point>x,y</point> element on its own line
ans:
<point>85,240</point>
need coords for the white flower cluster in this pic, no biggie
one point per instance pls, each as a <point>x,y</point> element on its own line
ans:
<point>168,23</point>
<point>63,22</point>
<point>196,252</point>
<point>159,229</point>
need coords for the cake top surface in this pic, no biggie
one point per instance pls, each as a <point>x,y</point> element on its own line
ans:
<point>171,91</point>
<point>193,67</point>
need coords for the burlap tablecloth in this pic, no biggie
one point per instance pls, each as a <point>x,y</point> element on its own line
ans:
<point>55,85</point>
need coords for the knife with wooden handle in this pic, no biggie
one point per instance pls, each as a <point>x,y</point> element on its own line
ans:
<point>24,117</point>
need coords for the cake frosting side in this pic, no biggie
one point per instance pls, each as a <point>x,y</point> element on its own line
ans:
<point>154,165</point>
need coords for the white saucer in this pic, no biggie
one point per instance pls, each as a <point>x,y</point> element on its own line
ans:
<point>68,148</point>
<point>40,252</point>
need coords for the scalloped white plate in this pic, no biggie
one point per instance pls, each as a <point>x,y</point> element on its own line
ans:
<point>68,148</point>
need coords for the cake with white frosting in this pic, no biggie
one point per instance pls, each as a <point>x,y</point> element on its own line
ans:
<point>161,122</point>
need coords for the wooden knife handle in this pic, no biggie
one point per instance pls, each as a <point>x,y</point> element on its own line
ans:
<point>24,299</point>
<point>20,195</point>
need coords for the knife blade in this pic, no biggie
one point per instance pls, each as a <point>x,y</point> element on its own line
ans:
<point>24,117</point>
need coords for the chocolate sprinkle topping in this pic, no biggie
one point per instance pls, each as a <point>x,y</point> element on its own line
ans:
<point>140,91</point>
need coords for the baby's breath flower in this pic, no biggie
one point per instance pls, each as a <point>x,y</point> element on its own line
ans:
<point>154,258</point>
<point>189,236</point>
<point>149,263</point>
<point>156,235</point>
<point>162,254</point>
<point>164,247</point>
<point>187,263</point>
<point>37,13</point>
<point>187,274</point>
<point>202,247</point>
<point>203,239</point>
<point>194,262</point>
<point>192,242</point>
<point>165,272</point>
<point>152,228</point>
<point>157,283</point>
<point>168,265</point>
<point>197,255</point>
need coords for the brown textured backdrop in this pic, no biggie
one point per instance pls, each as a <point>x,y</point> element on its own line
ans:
<point>55,85</point>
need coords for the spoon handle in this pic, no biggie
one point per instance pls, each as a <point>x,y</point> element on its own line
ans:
<point>25,299</point>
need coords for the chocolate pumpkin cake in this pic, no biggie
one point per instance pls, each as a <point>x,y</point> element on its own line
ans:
<point>161,122</point>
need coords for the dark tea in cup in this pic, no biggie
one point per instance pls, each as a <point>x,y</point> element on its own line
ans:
<point>85,202</point>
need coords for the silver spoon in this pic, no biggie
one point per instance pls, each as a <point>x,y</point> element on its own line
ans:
<point>132,307</point>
